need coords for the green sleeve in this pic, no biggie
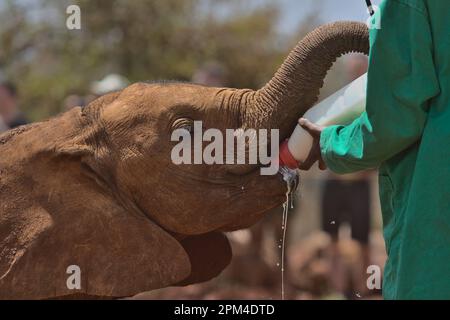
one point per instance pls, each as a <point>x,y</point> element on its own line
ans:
<point>401,82</point>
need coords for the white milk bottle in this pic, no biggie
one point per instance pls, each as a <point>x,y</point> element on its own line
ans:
<point>341,108</point>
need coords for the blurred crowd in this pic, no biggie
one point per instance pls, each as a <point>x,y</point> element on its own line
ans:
<point>12,117</point>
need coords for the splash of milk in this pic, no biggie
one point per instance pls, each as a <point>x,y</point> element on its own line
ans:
<point>291,179</point>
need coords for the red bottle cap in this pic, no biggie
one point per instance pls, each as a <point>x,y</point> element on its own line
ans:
<point>286,158</point>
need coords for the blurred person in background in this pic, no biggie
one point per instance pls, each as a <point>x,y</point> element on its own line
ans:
<point>73,101</point>
<point>10,115</point>
<point>110,83</point>
<point>346,199</point>
<point>3,126</point>
<point>211,74</point>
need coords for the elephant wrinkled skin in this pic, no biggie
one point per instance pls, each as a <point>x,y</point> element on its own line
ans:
<point>96,187</point>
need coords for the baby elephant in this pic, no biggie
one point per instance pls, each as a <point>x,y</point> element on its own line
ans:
<point>91,204</point>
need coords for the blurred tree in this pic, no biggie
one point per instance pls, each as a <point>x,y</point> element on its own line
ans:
<point>142,40</point>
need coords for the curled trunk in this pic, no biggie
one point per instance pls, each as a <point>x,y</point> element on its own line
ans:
<point>296,85</point>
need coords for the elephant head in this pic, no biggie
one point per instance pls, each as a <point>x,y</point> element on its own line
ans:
<point>95,188</point>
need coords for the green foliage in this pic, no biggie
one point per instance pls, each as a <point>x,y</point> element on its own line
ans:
<point>142,40</point>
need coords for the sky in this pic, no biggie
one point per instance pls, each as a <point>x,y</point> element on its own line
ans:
<point>292,11</point>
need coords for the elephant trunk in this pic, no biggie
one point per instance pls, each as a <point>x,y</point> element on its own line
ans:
<point>296,85</point>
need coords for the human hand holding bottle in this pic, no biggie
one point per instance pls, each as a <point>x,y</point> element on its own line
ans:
<point>314,155</point>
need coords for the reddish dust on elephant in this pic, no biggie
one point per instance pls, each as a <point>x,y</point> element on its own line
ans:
<point>96,187</point>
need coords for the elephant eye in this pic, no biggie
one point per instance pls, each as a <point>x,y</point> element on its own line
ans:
<point>183,123</point>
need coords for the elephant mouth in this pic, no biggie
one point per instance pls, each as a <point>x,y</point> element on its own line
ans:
<point>291,177</point>
<point>270,191</point>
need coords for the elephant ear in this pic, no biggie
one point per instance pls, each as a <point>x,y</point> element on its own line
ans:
<point>209,254</point>
<point>111,251</point>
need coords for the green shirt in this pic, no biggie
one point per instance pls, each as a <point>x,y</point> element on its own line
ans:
<point>406,133</point>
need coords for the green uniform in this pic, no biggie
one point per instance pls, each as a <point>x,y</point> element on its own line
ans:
<point>405,132</point>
